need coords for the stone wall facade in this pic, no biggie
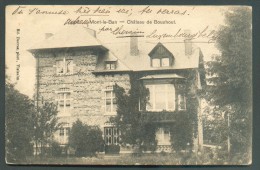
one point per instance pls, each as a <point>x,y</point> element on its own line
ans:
<point>86,89</point>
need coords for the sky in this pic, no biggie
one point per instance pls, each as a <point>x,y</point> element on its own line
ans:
<point>33,22</point>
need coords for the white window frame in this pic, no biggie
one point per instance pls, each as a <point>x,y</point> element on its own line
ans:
<point>110,65</point>
<point>166,98</point>
<point>64,112</point>
<point>112,97</point>
<point>156,59</point>
<point>160,60</point>
<point>64,66</point>
<point>168,60</point>
<point>162,136</point>
<point>115,137</point>
<point>63,139</point>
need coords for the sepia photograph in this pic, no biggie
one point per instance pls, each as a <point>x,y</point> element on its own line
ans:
<point>128,85</point>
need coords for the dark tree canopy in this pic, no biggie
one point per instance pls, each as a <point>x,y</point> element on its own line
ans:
<point>25,124</point>
<point>19,110</point>
<point>231,71</point>
<point>230,78</point>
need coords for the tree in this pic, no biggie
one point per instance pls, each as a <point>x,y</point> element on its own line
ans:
<point>45,124</point>
<point>231,79</point>
<point>134,129</point>
<point>182,131</point>
<point>86,140</point>
<point>19,110</point>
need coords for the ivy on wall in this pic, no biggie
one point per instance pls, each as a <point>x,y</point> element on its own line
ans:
<point>129,120</point>
<point>139,128</point>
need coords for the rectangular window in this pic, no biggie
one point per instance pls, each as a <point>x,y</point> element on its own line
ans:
<point>111,66</point>
<point>163,136</point>
<point>67,131</point>
<point>110,101</point>
<point>181,102</point>
<point>161,62</point>
<point>60,67</point>
<point>61,131</point>
<point>64,66</point>
<point>69,66</point>
<point>111,135</point>
<point>162,97</point>
<point>64,102</point>
<point>165,62</point>
<point>160,101</point>
<point>156,62</point>
<point>64,132</point>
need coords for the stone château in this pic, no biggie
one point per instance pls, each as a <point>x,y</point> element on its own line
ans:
<point>77,71</point>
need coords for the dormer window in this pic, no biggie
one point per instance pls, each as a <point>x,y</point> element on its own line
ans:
<point>161,56</point>
<point>110,65</point>
<point>161,62</point>
<point>156,62</point>
<point>165,62</point>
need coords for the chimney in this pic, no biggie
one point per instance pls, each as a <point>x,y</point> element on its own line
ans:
<point>187,43</point>
<point>48,35</point>
<point>91,32</point>
<point>134,45</point>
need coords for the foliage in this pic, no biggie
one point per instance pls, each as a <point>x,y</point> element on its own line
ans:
<point>215,127</point>
<point>181,131</point>
<point>185,129</point>
<point>45,124</point>
<point>231,78</point>
<point>134,130</point>
<point>86,140</point>
<point>19,110</point>
<point>56,149</point>
<point>137,127</point>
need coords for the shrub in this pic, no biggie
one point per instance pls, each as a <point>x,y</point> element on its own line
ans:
<point>56,149</point>
<point>86,140</point>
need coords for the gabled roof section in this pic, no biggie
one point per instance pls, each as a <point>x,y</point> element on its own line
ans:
<point>159,45</point>
<point>110,57</point>
<point>69,37</point>
<point>141,62</point>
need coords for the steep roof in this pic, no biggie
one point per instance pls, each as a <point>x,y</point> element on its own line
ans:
<point>78,36</point>
<point>142,62</point>
<point>110,56</point>
<point>69,37</point>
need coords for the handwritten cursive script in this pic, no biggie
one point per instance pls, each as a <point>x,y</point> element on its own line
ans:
<point>210,35</point>
<point>120,31</point>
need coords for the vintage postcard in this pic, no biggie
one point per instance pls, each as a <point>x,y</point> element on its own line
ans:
<point>128,85</point>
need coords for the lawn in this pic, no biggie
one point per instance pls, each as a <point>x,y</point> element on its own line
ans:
<point>127,159</point>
